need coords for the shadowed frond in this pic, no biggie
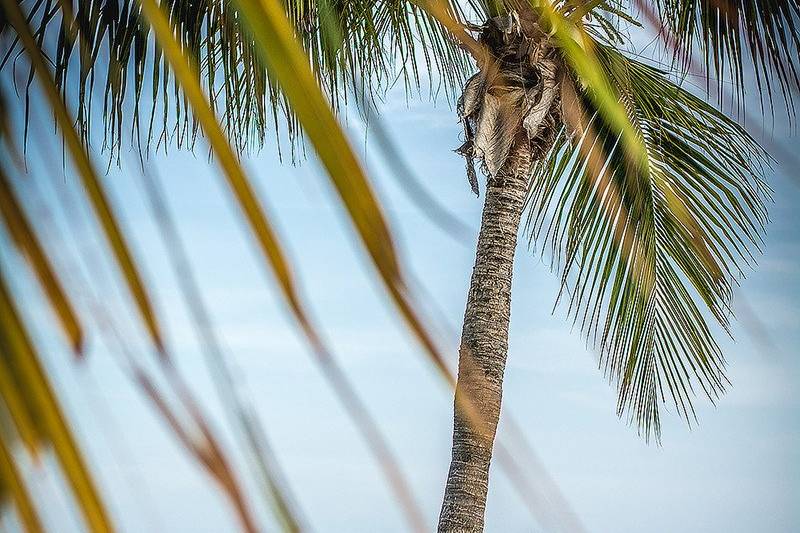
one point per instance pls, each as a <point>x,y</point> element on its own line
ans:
<point>728,33</point>
<point>92,186</point>
<point>105,47</point>
<point>650,246</point>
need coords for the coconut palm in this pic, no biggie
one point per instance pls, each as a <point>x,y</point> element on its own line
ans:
<point>650,219</point>
<point>648,198</point>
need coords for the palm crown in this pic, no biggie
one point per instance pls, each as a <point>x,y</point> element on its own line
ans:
<point>648,198</point>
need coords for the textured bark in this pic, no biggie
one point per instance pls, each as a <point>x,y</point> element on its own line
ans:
<point>510,110</point>
<point>484,344</point>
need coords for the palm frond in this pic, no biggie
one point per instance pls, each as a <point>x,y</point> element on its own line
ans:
<point>92,186</point>
<point>11,482</point>
<point>650,247</point>
<point>106,47</point>
<point>725,33</point>
<point>25,238</point>
<point>21,362</point>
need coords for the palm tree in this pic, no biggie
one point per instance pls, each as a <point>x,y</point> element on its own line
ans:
<point>649,199</point>
<point>650,218</point>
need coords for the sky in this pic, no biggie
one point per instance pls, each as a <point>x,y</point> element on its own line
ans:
<point>738,470</point>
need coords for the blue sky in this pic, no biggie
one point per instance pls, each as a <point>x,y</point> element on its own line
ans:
<point>738,471</point>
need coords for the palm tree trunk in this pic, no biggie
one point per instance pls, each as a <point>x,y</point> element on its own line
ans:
<point>484,345</point>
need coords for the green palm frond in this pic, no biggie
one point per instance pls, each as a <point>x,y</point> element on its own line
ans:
<point>106,47</point>
<point>649,247</point>
<point>726,33</point>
